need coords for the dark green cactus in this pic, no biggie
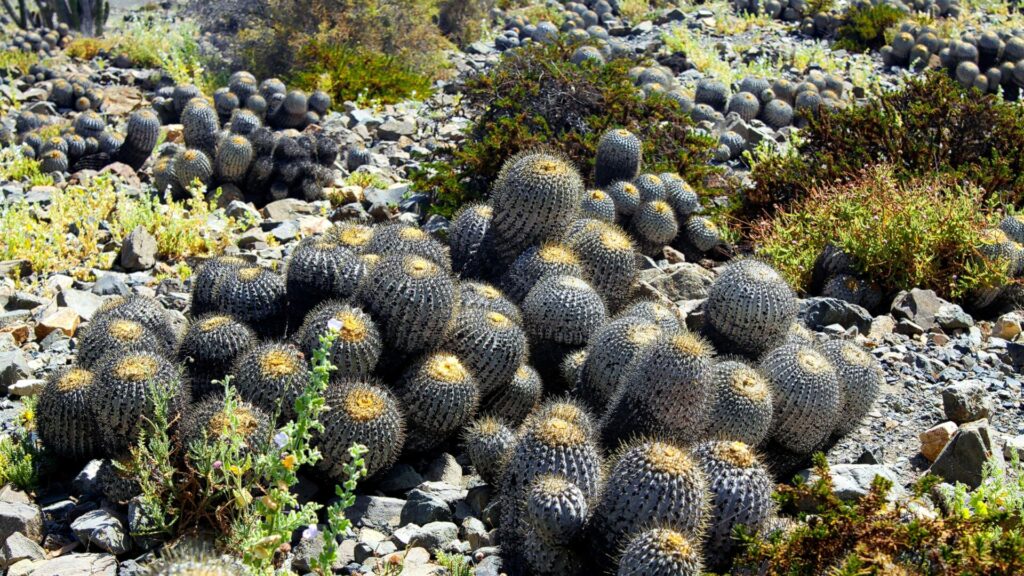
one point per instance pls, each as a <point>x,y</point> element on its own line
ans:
<point>209,349</point>
<point>360,411</point>
<point>512,403</point>
<point>626,197</point>
<point>63,417</point>
<point>469,238</point>
<point>271,376</point>
<point>200,125</point>
<point>358,347</point>
<point>234,155</point>
<point>556,509</point>
<point>318,269</point>
<point>608,258</point>
<point>488,442</point>
<point>256,296</point>
<point>440,396</point>
<point>742,406</point>
<point>572,365</point>
<point>749,308</point>
<point>702,233</point>
<point>144,310</point>
<point>619,156</point>
<point>861,379</point>
<point>655,225</point>
<point>661,552</point>
<point>597,204</point>
<point>141,136</point>
<point>53,161</point>
<point>355,237</point>
<point>806,396</point>
<point>191,165</point>
<point>111,333</point>
<point>207,420</point>
<point>490,344</point>
<point>117,484</point>
<point>611,351</point>
<point>660,314</point>
<point>86,16</point>
<point>563,309</point>
<point>408,240</point>
<point>483,296</point>
<point>535,263</point>
<point>651,187</point>
<point>205,280</point>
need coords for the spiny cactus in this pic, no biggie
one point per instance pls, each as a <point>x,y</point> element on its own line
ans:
<point>209,349</point>
<point>556,508</point>
<point>651,187</point>
<point>663,392</point>
<point>208,420</point>
<point>141,136</point>
<point>626,197</point>
<point>490,344</point>
<point>535,263</point>
<point>806,396</point>
<point>318,269</point>
<point>144,310</point>
<point>655,312</point>
<point>749,308</point>
<point>512,403</point>
<point>355,237</point>
<point>571,366</point>
<point>619,156</point>
<point>488,442</point>
<point>271,376</point>
<point>535,199</point>
<point>745,104</point>
<point>440,395</point>
<point>661,552</point>
<point>608,258</point>
<point>234,155</point>
<point>63,417</point>
<point>680,195</point>
<point>117,484</point>
<point>244,122</point>
<point>597,204</point>
<point>486,297</point>
<point>741,492</point>
<point>712,92</point>
<point>860,377</point>
<point>53,161</point>
<point>1013,226</point>
<point>365,412</point>
<point>563,309</point>
<point>408,240</point>
<point>256,296</point>
<point>412,298</point>
<point>193,559</point>
<point>702,233</point>
<point>742,406</point>
<point>611,351</point>
<point>111,333</point>
<point>200,125</point>
<point>777,114</point>
<point>655,224</point>
<point>205,281</point>
<point>469,238</point>
<point>191,165</point>
<point>358,347</point>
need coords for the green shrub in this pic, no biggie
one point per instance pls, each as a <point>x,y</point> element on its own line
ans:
<point>348,73</point>
<point>931,125</point>
<point>921,233</point>
<point>864,25</point>
<point>536,98</point>
<point>464,21</point>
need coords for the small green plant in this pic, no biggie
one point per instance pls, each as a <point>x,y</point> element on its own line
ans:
<point>352,73</point>
<point>456,564</point>
<point>15,62</point>
<point>151,463</point>
<point>20,453</point>
<point>367,180</point>
<point>864,26</point>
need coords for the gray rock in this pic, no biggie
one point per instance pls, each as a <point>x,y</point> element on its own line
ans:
<point>138,251</point>
<point>399,479</point>
<point>26,387</point>
<point>387,196</point>
<point>83,303</point>
<point>21,517</point>
<point>489,566</point>
<point>434,535</point>
<point>102,529</point>
<point>817,313</point>
<point>951,317</point>
<point>422,508</point>
<point>450,494</point>
<point>287,209</point>
<point>445,469</point>
<point>377,512</point>
<point>243,211</point>
<point>475,533</point>
<point>967,401</point>
<point>680,281</point>
<point>1013,446</point>
<point>19,547</point>
<point>85,483</point>
<point>853,481</point>
<point>403,535</point>
<point>918,306</point>
<point>110,284</point>
<point>394,129</point>
<point>908,328</point>
<point>286,231</point>
<point>13,367</point>
<point>69,565</point>
<point>964,457</point>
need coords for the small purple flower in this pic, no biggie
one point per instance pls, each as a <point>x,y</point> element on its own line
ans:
<point>334,325</point>
<point>217,464</point>
<point>310,532</point>
<point>281,439</point>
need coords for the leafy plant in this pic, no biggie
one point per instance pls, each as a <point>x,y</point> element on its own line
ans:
<point>16,62</point>
<point>20,453</point>
<point>355,73</point>
<point>151,463</point>
<point>455,564</point>
<point>864,25</point>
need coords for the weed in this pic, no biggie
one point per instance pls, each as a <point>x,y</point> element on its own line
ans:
<point>354,73</point>
<point>367,180</point>
<point>864,26</point>
<point>15,62</point>
<point>455,564</point>
<point>151,462</point>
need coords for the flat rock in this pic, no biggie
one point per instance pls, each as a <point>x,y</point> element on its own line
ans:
<point>817,313</point>
<point>26,387</point>
<point>103,530</point>
<point>399,479</point>
<point>434,535</point>
<point>952,317</point>
<point>287,209</point>
<point>881,327</point>
<point>377,512</point>
<point>64,320</point>
<point>394,129</point>
<point>1012,446</point>
<point>445,469</point>
<point>964,457</point>
<point>70,565</point>
<point>934,439</point>
<point>422,508</point>
<point>21,517</point>
<point>853,481</point>
<point>83,303</point>
<point>19,547</point>
<point>967,401</point>
<point>138,251</point>
<point>680,281</point>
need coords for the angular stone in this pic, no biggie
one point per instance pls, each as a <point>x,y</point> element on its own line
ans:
<point>918,306</point>
<point>21,517</point>
<point>422,508</point>
<point>967,401</point>
<point>13,367</point>
<point>101,529</point>
<point>377,512</point>
<point>881,327</point>
<point>287,209</point>
<point>1008,326</point>
<point>84,483</point>
<point>83,303</point>
<point>681,281</point>
<point>399,479</point>
<point>908,328</point>
<point>26,387</point>
<point>489,566</point>
<point>1013,446</point>
<point>138,251</point>
<point>434,535</point>
<point>445,469</point>
<point>853,481</point>
<point>393,129</point>
<point>391,196</point>
<point>821,312</point>
<point>18,547</point>
<point>63,319</point>
<point>934,439</point>
<point>964,457</point>
<point>475,532</point>
<point>69,565</point>
<point>952,317</point>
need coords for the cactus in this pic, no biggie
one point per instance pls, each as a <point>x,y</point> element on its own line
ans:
<point>777,114</point>
<point>469,238</point>
<point>111,333</point>
<point>234,155</point>
<point>680,195</point>
<point>1013,227</point>
<point>607,256</point>
<point>320,102</point>
<point>225,102</point>
<point>806,396</point>
<point>745,104</point>
<point>360,411</point>
<point>358,347</point>
<point>663,392</point>
<point>651,188</point>
<point>661,552</point>
<point>488,442</point>
<point>86,16</point>
<point>271,376</point>
<point>536,263</point>
<point>741,492</point>
<point>535,199</point>
<point>412,299</point>
<point>598,205</point>
<point>200,125</point>
<point>53,161</point>
<point>563,309</point>
<point>619,157</point>
<point>742,406</point>
<point>255,296</point>
<point>355,237</point>
<point>711,92</point>
<point>144,310</point>
<point>702,233</point>
<point>556,509</point>
<point>190,165</point>
<point>611,351</point>
<point>515,401</point>
<point>587,54</point>
<point>205,280</point>
<point>120,400</point>
<point>486,297</point>
<point>490,344</point>
<point>656,225</point>
<point>207,420</point>
<point>860,379</point>
<point>749,308</point>
<point>244,122</point>
<point>571,366</point>
<point>90,124</point>
<point>63,416</point>
<point>626,197</point>
<point>192,559</point>
<point>209,349</point>
<point>408,240</point>
<point>140,139</point>
<point>118,485</point>
<point>165,180</point>
<point>655,312</point>
<point>319,269</point>
<point>441,395</point>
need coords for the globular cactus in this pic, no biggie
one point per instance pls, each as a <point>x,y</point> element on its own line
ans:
<point>608,258</point>
<point>111,333</point>
<point>651,483</point>
<point>799,333</point>
<point>749,308</point>
<point>209,349</point>
<point>660,314</point>
<point>55,143</point>
<point>319,102</point>
<point>488,442</point>
<point>120,401</point>
<point>191,165</point>
<point>513,402</point>
<point>358,346</point>
<point>117,481</point>
<point>90,124</point>
<point>742,405</point>
<point>556,511</point>
<point>244,122</point>
<point>680,195</point>
<point>408,240</point>
<point>191,559</point>
<point>572,365</point>
<point>144,310</point>
<point>234,155</point>
<point>319,269</point>
<point>490,344</point>
<point>355,237</point>
<point>535,199</point>
<point>587,54</point>
<point>860,378</point>
<point>713,93</point>
<point>110,144</point>
<point>225,102</point>
<point>200,125</point>
<point>208,421</point>
<point>469,237</point>
<point>626,197</point>
<point>619,157</point>
<point>63,417</point>
<point>745,104</point>
<point>663,392</point>
<point>255,296</point>
<point>741,493</point>
<point>534,264</point>
<point>243,84</point>
<point>563,309</point>
<point>271,376</point>
<point>544,558</point>
<point>997,246</point>
<point>1013,227</point>
<point>806,396</point>
<point>412,298</point>
<point>362,411</point>
<point>141,136</point>
<point>53,161</point>
<point>205,280</point>
<point>440,396</point>
<point>777,114</point>
<point>651,187</point>
<point>656,225</point>
<point>182,95</point>
<point>661,552</point>
<point>597,204</point>
<point>486,297</point>
<point>702,233</point>
<point>611,351</point>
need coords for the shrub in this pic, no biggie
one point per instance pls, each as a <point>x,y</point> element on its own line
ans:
<point>864,25</point>
<point>536,98</point>
<point>903,234</point>
<point>348,73</point>
<point>464,21</point>
<point>931,125</point>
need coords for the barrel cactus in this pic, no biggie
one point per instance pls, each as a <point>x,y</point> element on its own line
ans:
<point>661,552</point>
<point>610,353</point>
<point>749,307</point>
<point>806,396</point>
<point>271,376</point>
<point>563,309</point>
<point>365,412</point>
<point>513,402</point>
<point>742,406</point>
<point>440,396</point>
<point>256,296</point>
<point>488,442</point>
<point>63,419</point>
<point>209,349</point>
<point>491,345</point>
<point>534,264</point>
<point>619,156</point>
<point>358,345</point>
<point>860,378</point>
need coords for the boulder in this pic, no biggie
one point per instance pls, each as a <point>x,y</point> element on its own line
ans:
<point>101,529</point>
<point>69,565</point>
<point>138,251</point>
<point>21,517</point>
<point>934,439</point>
<point>967,401</point>
<point>963,459</point>
<point>818,312</point>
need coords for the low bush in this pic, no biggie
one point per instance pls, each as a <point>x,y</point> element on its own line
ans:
<point>464,21</point>
<point>930,126</point>
<point>536,98</point>
<point>348,73</point>
<point>864,25</point>
<point>903,234</point>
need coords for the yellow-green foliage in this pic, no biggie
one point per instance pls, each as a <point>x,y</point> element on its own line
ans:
<point>17,168</point>
<point>920,233</point>
<point>358,74</point>
<point>16,62</point>
<point>19,455</point>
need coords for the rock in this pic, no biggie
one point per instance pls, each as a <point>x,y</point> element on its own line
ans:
<point>964,457</point>
<point>952,317</point>
<point>386,197</point>
<point>1015,355</point>
<point>489,566</point>
<point>138,251</point>
<point>125,173</point>
<point>403,535</point>
<point>908,328</point>
<point>286,231</point>
<point>69,565</point>
<point>852,482</point>
<point>26,387</point>
<point>434,535</point>
<point>85,483</point>
<point>399,479</point>
<point>918,306</point>
<point>393,129</point>
<point>83,303</point>
<point>967,401</point>
<point>15,268</point>
<point>934,439</point>
<point>18,547</point>
<point>110,285</point>
<point>13,367</point>
<point>475,532</point>
<point>100,528</point>
<point>63,319</point>
<point>243,212</point>
<point>447,492</point>
<point>1014,445</point>
<point>680,281</point>
<point>1008,326</point>
<point>377,512</point>
<point>287,209</point>
<point>445,469</point>
<point>9,493</point>
<point>818,313</point>
<point>21,517</point>
<point>881,327</point>
<point>422,508</point>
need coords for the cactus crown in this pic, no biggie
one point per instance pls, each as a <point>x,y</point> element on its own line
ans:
<point>554,431</point>
<point>689,343</point>
<point>370,259</point>
<point>523,372</point>
<point>855,355</point>
<point>557,253</point>
<point>191,154</point>
<point>749,384</point>
<point>74,379</point>
<point>851,284</point>
<point>736,453</point>
<point>410,233</point>
<point>661,207</point>
<point>573,283</point>
<point>446,368</point>
<point>613,239</point>
<point>353,329</point>
<point>566,411</point>
<point>487,426</point>
<point>220,423</point>
<point>214,322</point>
<point>993,236</point>
<point>249,274</point>
<point>364,404</point>
<point>643,333</point>
<point>239,140</point>
<point>675,544</point>
<point>760,272</point>
<point>483,210</point>
<point>598,195</point>
<point>53,154</point>
<point>812,362</point>
<point>277,363</point>
<point>125,330</point>
<point>551,166</point>
<point>419,268</point>
<point>631,190</point>
<point>487,291</point>
<point>136,368</point>
<point>355,235</point>
<point>668,459</point>
<point>552,485</point>
<point>623,133</point>
<point>498,320</point>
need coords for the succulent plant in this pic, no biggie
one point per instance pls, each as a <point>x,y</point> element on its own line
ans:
<point>860,378</point>
<point>319,269</point>
<point>745,104</point>
<point>244,122</point>
<point>144,310</point>
<point>117,481</point>
<point>358,347</point>
<point>256,296</point>
<point>192,559</point>
<point>655,224</point>
<point>742,406</point>
<point>483,296</point>
<point>191,165</point>
<point>408,240</point>
<point>90,124</point>
<point>234,156</point>
<point>355,237</point>
<point>208,420</point>
<point>608,258</point>
<point>597,204</point>
<point>200,125</point>
<point>656,312</point>
<point>749,308</point>
<point>535,263</point>
<point>1013,227</point>
<point>469,238</point>
<point>205,280</point>
<point>53,161</point>
<point>556,509</point>
<point>111,333</point>
<point>141,136</point>
<point>806,396</point>
<point>490,344</point>
<point>563,309</point>
<point>365,412</point>
<point>680,195</point>
<point>440,396</point>
<point>619,156</point>
<point>513,402</point>
<point>271,376</point>
<point>651,187</point>
<point>661,552</point>
<point>713,93</point>
<point>610,353</point>
<point>63,416</point>
<point>626,197</point>
<point>488,442</point>
<point>571,365</point>
<point>777,114</point>
<point>702,233</point>
<point>209,349</point>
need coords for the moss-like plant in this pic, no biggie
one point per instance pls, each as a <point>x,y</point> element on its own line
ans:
<point>351,73</point>
<point>864,25</point>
